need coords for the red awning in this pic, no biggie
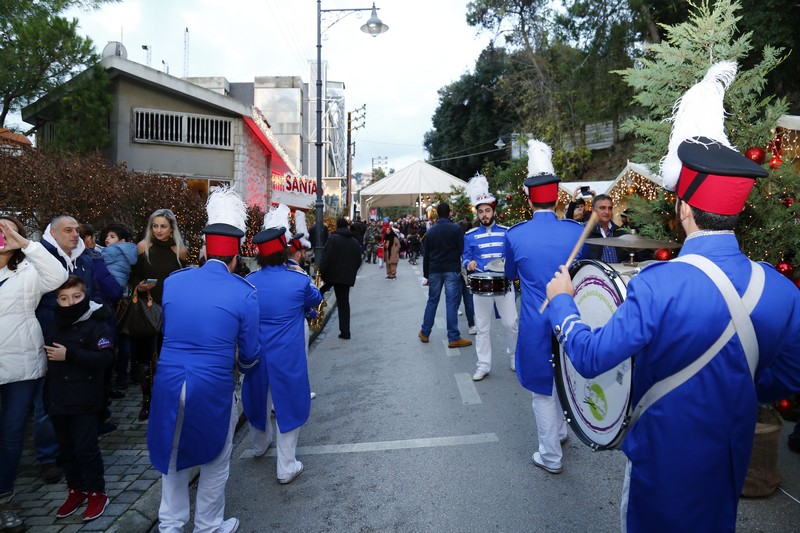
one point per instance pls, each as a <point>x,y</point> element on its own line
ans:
<point>279,166</point>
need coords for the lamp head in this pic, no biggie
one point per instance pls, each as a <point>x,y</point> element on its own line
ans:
<point>374,26</point>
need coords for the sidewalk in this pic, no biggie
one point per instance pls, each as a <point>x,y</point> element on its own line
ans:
<point>132,484</point>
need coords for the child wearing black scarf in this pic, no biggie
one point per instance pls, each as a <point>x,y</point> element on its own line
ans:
<point>79,349</point>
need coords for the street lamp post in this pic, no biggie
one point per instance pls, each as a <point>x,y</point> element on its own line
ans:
<point>374,27</point>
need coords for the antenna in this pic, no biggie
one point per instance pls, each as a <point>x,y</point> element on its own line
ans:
<point>149,50</point>
<point>165,65</point>
<point>186,53</point>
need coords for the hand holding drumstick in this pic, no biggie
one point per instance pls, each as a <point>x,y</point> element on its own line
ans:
<point>558,285</point>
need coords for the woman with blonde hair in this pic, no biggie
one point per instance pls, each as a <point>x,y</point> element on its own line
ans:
<point>161,252</point>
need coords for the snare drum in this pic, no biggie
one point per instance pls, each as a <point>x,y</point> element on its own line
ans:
<point>597,409</point>
<point>487,284</point>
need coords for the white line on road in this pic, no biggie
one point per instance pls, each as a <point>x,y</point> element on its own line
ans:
<point>451,352</point>
<point>469,394</point>
<point>359,447</point>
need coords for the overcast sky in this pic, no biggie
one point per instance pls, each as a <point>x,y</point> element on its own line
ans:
<point>396,75</point>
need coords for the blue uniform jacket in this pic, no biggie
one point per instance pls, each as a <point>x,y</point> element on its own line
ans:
<point>690,451</point>
<point>534,250</point>
<point>208,313</point>
<point>483,245</point>
<point>283,296</point>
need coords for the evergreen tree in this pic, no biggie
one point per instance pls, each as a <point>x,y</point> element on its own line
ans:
<point>768,229</point>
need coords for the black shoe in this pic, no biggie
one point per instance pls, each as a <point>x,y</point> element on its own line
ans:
<point>342,336</point>
<point>105,427</point>
<point>117,394</point>
<point>51,473</point>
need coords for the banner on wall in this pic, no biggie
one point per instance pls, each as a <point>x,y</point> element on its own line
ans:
<point>298,192</point>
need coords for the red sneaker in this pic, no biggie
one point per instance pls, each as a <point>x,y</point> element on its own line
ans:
<point>98,502</point>
<point>75,499</point>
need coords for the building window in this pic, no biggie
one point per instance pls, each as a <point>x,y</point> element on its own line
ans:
<point>187,129</point>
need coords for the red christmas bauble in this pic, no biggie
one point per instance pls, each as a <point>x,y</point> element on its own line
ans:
<point>775,162</point>
<point>785,268</point>
<point>757,154</point>
<point>508,197</point>
<point>797,283</point>
<point>663,254</point>
<point>501,217</point>
<point>788,201</point>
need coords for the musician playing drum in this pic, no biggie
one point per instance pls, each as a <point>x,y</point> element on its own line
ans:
<point>533,251</point>
<point>703,328</point>
<point>482,245</point>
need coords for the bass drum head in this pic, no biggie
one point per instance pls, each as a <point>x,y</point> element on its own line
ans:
<point>597,409</point>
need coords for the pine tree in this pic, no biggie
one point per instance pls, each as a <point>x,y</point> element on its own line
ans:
<point>768,228</point>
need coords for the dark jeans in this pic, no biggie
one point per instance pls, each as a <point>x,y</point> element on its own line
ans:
<point>343,304</point>
<point>469,304</point>
<point>79,451</point>
<point>123,360</point>
<point>452,293</point>
<point>16,400</point>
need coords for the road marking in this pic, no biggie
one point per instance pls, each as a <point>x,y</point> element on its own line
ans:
<point>469,394</point>
<point>360,447</point>
<point>451,352</point>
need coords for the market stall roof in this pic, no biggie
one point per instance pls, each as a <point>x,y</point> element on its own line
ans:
<point>406,185</point>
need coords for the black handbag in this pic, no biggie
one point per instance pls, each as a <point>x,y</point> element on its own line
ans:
<point>138,317</point>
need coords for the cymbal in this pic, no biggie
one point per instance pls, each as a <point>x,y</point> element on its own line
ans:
<point>633,241</point>
<point>496,265</point>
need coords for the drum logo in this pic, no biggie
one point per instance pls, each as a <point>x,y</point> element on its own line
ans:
<point>596,399</point>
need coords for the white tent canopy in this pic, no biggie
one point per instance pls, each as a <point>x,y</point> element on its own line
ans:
<point>405,186</point>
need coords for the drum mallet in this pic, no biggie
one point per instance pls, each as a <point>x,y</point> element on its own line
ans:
<point>585,235</point>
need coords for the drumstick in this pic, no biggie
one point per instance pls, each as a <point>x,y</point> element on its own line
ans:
<point>585,235</point>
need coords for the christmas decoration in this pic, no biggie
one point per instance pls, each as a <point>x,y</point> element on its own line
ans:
<point>757,154</point>
<point>788,201</point>
<point>797,283</point>
<point>785,268</point>
<point>775,162</point>
<point>508,197</point>
<point>663,254</point>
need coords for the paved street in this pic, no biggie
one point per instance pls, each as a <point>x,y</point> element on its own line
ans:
<point>400,439</point>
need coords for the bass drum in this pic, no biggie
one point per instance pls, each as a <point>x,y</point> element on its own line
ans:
<point>597,409</point>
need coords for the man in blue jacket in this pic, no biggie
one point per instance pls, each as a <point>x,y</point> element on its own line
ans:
<point>441,267</point>
<point>712,335</point>
<point>209,315</point>
<point>534,249</point>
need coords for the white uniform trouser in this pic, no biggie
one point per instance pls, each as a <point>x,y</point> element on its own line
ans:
<point>286,444</point>
<point>484,314</point>
<point>623,506</point>
<point>210,502</point>
<point>551,427</point>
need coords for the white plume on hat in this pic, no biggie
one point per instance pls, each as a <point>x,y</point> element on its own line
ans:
<point>278,217</point>
<point>301,227</point>
<point>540,159</point>
<point>478,191</point>
<point>224,206</point>
<point>698,113</point>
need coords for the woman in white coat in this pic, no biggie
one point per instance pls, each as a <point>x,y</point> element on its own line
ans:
<point>27,271</point>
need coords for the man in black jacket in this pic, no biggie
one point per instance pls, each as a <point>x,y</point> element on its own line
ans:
<point>340,261</point>
<point>441,266</point>
<point>603,205</point>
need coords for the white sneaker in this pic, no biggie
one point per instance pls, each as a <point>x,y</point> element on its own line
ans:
<point>537,460</point>
<point>291,478</point>
<point>460,312</point>
<point>473,330</point>
<point>479,374</point>
<point>313,395</point>
<point>513,364</point>
<point>229,526</point>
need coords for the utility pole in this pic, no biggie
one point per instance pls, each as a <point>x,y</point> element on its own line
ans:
<point>351,152</point>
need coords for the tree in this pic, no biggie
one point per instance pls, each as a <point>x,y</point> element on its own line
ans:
<point>768,228</point>
<point>39,49</point>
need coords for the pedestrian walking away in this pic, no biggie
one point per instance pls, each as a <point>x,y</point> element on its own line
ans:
<point>710,327</point>
<point>534,249</point>
<point>340,262</point>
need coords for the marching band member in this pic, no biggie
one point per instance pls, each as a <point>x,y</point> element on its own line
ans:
<point>711,333</point>
<point>534,249</point>
<point>284,295</point>
<point>208,314</point>
<point>482,245</point>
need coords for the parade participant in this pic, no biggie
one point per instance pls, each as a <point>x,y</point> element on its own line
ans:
<point>210,314</point>
<point>441,267</point>
<point>284,295</point>
<point>482,245</point>
<point>702,329</point>
<point>534,249</point>
<point>79,350</point>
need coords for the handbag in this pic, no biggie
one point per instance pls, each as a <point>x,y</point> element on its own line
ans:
<point>139,317</point>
